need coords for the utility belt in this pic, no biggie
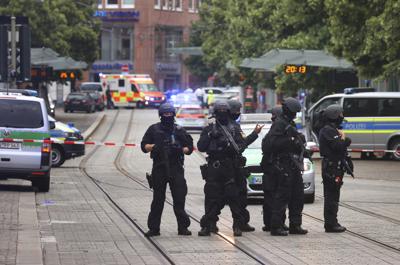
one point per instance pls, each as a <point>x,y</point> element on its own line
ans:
<point>283,160</point>
<point>331,163</point>
<point>334,171</point>
<point>237,162</point>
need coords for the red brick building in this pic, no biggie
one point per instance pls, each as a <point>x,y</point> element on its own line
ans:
<point>139,33</point>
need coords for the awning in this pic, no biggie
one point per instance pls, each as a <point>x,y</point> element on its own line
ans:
<point>276,57</point>
<point>47,56</point>
<point>186,50</point>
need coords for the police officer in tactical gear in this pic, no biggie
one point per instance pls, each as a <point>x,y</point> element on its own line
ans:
<point>222,143</point>
<point>167,144</point>
<point>241,174</point>
<point>270,180</point>
<point>333,148</point>
<point>286,146</point>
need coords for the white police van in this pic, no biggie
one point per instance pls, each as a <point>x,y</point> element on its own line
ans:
<point>24,126</point>
<point>372,119</point>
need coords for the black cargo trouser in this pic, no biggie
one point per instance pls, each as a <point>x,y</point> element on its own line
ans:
<point>269,188</point>
<point>332,185</point>
<point>289,193</point>
<point>221,188</point>
<point>241,182</point>
<point>178,187</point>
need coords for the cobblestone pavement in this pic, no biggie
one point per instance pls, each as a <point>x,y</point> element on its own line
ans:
<point>75,223</point>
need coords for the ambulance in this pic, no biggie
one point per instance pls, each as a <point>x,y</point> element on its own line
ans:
<point>132,90</point>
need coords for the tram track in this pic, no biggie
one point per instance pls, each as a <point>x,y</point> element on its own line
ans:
<point>82,166</point>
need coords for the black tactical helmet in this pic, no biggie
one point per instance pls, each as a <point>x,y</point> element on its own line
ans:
<point>221,106</point>
<point>291,104</point>
<point>166,108</point>
<point>333,112</point>
<point>234,105</point>
<point>276,111</point>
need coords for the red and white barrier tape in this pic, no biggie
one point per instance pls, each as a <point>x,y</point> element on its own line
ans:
<point>118,144</point>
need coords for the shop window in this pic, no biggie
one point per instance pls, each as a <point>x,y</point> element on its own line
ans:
<point>106,40</point>
<point>157,4</point>
<point>100,4</point>
<point>111,3</point>
<point>178,5</point>
<point>128,3</point>
<point>117,44</point>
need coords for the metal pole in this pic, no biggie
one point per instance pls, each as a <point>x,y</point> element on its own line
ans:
<point>13,52</point>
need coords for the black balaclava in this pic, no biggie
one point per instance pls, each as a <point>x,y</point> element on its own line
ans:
<point>222,117</point>
<point>290,115</point>
<point>337,122</point>
<point>167,122</point>
<point>235,116</point>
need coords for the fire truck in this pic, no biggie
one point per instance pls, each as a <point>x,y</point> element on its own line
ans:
<point>132,90</point>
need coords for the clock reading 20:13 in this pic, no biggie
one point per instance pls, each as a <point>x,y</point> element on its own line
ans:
<point>292,69</point>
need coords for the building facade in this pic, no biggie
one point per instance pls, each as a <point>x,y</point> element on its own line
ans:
<point>139,33</point>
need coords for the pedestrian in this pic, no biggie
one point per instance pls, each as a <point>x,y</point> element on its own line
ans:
<point>110,103</point>
<point>200,95</point>
<point>210,98</point>
<point>270,180</point>
<point>286,146</point>
<point>222,144</point>
<point>167,144</point>
<point>333,145</point>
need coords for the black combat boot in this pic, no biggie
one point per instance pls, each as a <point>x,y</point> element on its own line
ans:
<point>266,228</point>
<point>205,231</point>
<point>247,228</point>
<point>278,232</point>
<point>285,227</point>
<point>214,228</point>
<point>184,232</point>
<point>297,230</point>
<point>237,231</point>
<point>334,229</point>
<point>151,233</point>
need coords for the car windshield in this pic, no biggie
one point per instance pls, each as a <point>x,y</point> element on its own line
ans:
<point>94,95</point>
<point>186,111</point>
<point>148,88</point>
<point>91,87</point>
<point>257,143</point>
<point>20,114</point>
<point>76,96</point>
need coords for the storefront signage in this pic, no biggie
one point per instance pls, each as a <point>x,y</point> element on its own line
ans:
<point>168,67</point>
<point>110,66</point>
<point>117,15</point>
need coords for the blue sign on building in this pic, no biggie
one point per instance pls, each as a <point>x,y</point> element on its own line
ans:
<point>117,15</point>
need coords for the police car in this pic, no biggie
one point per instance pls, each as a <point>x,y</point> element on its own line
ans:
<point>372,119</point>
<point>24,127</point>
<point>253,155</point>
<point>60,151</point>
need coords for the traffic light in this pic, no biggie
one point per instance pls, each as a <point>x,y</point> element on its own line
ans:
<point>24,54</point>
<point>3,53</point>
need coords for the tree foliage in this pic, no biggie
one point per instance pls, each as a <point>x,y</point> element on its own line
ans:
<point>365,32</point>
<point>68,27</point>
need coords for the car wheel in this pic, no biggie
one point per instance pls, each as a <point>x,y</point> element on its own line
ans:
<point>395,146</point>
<point>42,183</point>
<point>140,105</point>
<point>309,198</point>
<point>89,110</point>
<point>57,156</point>
<point>66,110</point>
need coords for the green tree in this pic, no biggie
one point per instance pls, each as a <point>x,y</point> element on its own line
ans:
<point>366,33</point>
<point>68,27</point>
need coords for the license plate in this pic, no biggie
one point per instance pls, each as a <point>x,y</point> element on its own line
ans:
<point>5,145</point>
<point>257,180</point>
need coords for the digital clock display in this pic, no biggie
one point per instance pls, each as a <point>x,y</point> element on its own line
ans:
<point>293,69</point>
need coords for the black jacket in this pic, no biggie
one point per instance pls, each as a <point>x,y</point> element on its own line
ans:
<point>159,136</point>
<point>330,143</point>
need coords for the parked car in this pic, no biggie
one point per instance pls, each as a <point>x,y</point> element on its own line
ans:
<point>79,101</point>
<point>60,151</point>
<point>25,118</point>
<point>99,101</point>
<point>372,119</point>
<point>253,155</point>
<point>184,99</point>
<point>191,117</point>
